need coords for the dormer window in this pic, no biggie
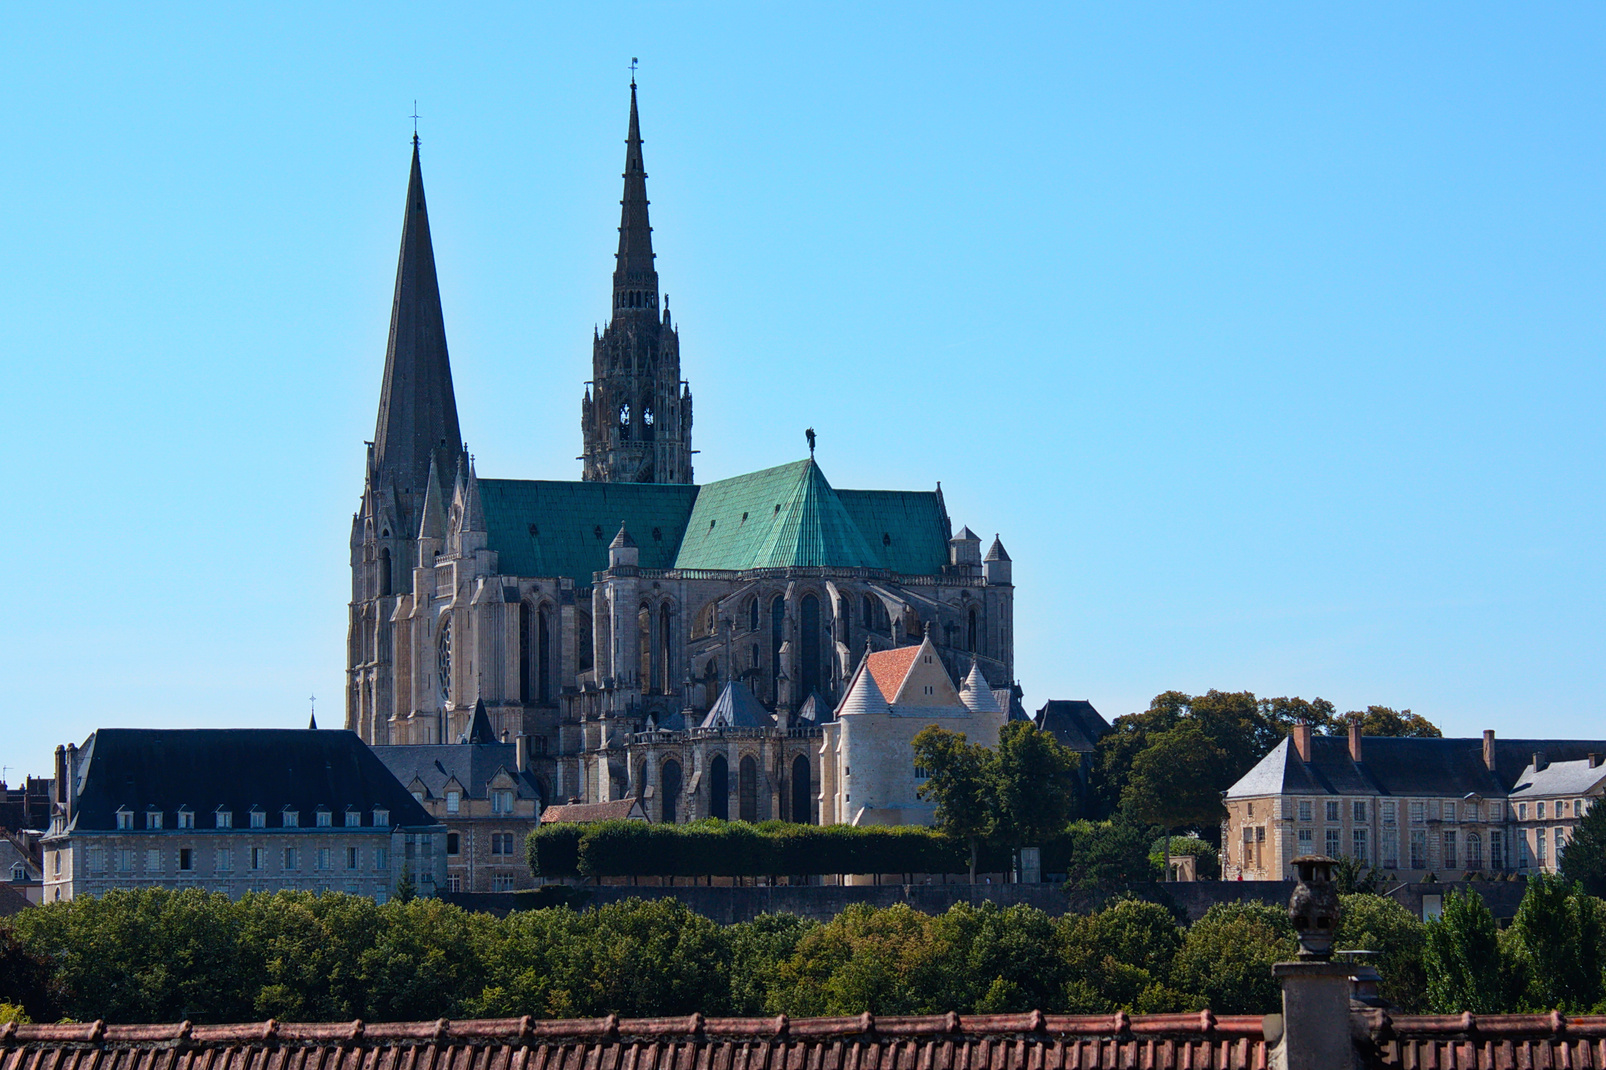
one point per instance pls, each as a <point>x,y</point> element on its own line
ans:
<point>153,819</point>
<point>224,819</point>
<point>125,819</point>
<point>454,801</point>
<point>325,819</point>
<point>259,818</point>
<point>501,802</point>
<point>186,819</point>
<point>292,819</point>
<point>381,818</point>
<point>353,819</point>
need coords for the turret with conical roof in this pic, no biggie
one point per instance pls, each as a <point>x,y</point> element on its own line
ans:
<point>636,414</point>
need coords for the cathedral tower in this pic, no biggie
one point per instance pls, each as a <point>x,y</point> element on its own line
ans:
<point>636,414</point>
<point>416,438</point>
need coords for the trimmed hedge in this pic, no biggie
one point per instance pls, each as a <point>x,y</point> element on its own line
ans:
<point>737,849</point>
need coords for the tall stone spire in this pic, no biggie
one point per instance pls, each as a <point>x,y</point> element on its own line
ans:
<point>417,409</point>
<point>635,417</point>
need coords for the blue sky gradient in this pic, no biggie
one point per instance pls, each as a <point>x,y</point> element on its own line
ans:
<point>1269,339</point>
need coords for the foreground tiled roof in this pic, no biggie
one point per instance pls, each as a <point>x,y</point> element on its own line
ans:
<point>1032,1041</point>
<point>941,1042</point>
<point>617,810</point>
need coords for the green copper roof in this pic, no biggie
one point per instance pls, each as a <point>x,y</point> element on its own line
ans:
<point>553,528</point>
<point>781,517</point>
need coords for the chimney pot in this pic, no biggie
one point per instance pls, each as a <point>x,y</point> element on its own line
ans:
<point>1594,761</point>
<point>1488,749</point>
<point>1302,742</point>
<point>1355,739</point>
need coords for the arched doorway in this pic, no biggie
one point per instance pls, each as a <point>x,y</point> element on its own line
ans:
<point>747,789</point>
<point>802,791</point>
<point>719,788</point>
<point>669,785</point>
<point>809,649</point>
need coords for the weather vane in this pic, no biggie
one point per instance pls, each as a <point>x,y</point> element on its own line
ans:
<point>632,72</point>
<point>809,434</point>
<point>415,122</point>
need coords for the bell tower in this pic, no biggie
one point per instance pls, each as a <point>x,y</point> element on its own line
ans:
<point>636,415</point>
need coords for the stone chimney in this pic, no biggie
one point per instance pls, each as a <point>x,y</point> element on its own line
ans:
<point>1302,742</point>
<point>1540,761</point>
<point>1594,761</point>
<point>1488,749</point>
<point>521,752</point>
<point>1355,739</point>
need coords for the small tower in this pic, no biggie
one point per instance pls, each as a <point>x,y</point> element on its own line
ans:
<point>635,418</point>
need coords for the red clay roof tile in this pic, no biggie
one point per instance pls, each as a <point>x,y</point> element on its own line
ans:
<point>889,667</point>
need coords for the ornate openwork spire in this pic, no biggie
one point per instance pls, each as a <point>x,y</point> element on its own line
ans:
<point>635,280</point>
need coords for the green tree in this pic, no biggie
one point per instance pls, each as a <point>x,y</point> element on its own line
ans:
<point>1033,784</point>
<point>1584,860</point>
<point>1556,936</point>
<point>1461,954</point>
<point>756,950</point>
<point>959,778</point>
<point>1173,781</point>
<point>25,977</point>
<point>1207,860</point>
<point>1109,852</point>
<point>1382,721</point>
<point>1227,956</point>
<point>1376,923</point>
<point>1120,958</point>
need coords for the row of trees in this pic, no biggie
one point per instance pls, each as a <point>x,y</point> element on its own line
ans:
<point>155,955</point>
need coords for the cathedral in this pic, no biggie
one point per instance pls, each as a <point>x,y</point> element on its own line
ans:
<point>639,634</point>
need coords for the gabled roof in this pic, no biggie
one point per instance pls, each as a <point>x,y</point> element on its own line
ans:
<point>1074,722</point>
<point>888,668</point>
<point>781,517</point>
<point>1559,778</point>
<point>737,708</point>
<point>473,765</point>
<point>618,810</point>
<point>206,769</point>
<point>815,710</point>
<point>1391,765</point>
<point>479,729</point>
<point>908,529</point>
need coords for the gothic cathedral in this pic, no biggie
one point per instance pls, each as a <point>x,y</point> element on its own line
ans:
<point>645,636</point>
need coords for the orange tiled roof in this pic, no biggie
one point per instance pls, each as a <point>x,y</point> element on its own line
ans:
<point>617,810</point>
<point>889,667</point>
<point>1032,1041</point>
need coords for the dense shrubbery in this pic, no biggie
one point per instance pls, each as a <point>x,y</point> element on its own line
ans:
<point>164,956</point>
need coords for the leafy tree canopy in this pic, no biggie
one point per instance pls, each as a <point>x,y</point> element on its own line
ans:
<point>1584,861</point>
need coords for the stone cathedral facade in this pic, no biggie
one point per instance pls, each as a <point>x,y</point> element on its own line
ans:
<point>647,636</point>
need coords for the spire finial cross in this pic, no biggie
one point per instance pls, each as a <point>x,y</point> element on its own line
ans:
<point>809,434</point>
<point>633,62</point>
<point>414,117</point>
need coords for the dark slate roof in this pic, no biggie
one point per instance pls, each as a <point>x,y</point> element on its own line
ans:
<point>207,769</point>
<point>474,765</point>
<point>787,516</point>
<point>1401,766</point>
<point>556,528</point>
<point>737,708</point>
<point>1074,722</point>
<point>692,1042</point>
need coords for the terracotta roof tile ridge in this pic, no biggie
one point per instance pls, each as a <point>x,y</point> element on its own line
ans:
<point>1553,1023</point>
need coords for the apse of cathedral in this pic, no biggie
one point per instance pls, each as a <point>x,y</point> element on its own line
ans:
<point>642,635</point>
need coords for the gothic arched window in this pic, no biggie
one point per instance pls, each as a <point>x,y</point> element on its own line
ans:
<point>802,796</point>
<point>869,613</point>
<point>624,420</point>
<point>747,789</point>
<point>972,631</point>
<point>384,572</point>
<point>752,615</point>
<point>719,788</point>
<point>809,654</point>
<point>443,659</point>
<point>669,784</point>
<point>646,423</point>
<point>543,656</point>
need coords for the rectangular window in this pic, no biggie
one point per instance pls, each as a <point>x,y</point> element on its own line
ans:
<point>353,819</point>
<point>505,798</point>
<point>454,844</point>
<point>125,860</point>
<point>1540,854</point>
<point>55,860</point>
<point>381,818</point>
<point>153,819</point>
<point>224,819</point>
<point>454,801</point>
<point>381,858</point>
<point>1449,850</point>
<point>1332,809</point>
<point>186,858</point>
<point>1305,847</point>
<point>95,857</point>
<point>323,858</point>
<point>325,819</point>
<point>259,819</point>
<point>153,860</point>
<point>186,819</point>
<point>291,819</point>
<point>125,820</point>
<point>1561,842</point>
<point>351,858</point>
<point>501,882</point>
<point>1522,811</point>
<point>1449,811</point>
<point>289,859</point>
<point>380,895</point>
<point>1418,814</point>
<point>1539,810</point>
<point>1391,849</point>
<point>454,882</point>
<point>1304,809</point>
<point>351,888</point>
<point>256,858</point>
<point>1390,813</point>
<point>1419,848</point>
<point>225,859</point>
<point>1332,843</point>
<point>1358,845</point>
<point>1358,809</point>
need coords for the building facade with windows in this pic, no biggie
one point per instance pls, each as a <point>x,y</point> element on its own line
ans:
<point>603,618</point>
<point>235,811</point>
<point>1548,801</point>
<point>1407,806</point>
<point>485,796</point>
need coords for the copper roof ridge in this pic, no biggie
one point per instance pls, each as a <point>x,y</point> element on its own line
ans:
<point>527,1030</point>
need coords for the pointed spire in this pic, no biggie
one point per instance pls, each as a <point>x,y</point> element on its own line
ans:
<point>473,512</point>
<point>622,540</point>
<point>433,523</point>
<point>635,280</point>
<point>996,552</point>
<point>312,722</point>
<point>417,408</point>
<point>479,729</point>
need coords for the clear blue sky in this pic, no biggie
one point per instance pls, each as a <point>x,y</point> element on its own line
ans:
<point>1269,339</point>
